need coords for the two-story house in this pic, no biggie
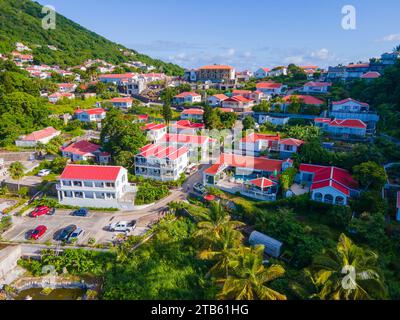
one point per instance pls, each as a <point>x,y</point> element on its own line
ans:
<point>314,87</point>
<point>192,114</point>
<point>161,163</point>
<point>94,186</point>
<point>122,103</point>
<point>269,88</point>
<point>342,128</point>
<point>186,98</point>
<point>90,115</point>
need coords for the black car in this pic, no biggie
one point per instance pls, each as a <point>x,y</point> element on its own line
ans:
<point>64,235</point>
<point>82,212</point>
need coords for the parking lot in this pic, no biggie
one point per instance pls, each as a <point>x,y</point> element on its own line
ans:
<point>94,226</point>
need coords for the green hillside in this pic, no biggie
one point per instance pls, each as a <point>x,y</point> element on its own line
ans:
<point>21,20</point>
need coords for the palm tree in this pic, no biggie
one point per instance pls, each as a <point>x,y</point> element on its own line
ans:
<point>347,273</point>
<point>223,251</point>
<point>248,277</point>
<point>211,224</point>
<point>16,171</point>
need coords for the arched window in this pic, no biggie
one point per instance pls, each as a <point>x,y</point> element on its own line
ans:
<point>328,199</point>
<point>318,196</point>
<point>339,200</point>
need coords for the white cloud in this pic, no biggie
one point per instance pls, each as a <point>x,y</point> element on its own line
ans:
<point>322,54</point>
<point>294,59</point>
<point>391,37</point>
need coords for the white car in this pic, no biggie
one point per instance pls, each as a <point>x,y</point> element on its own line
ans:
<point>44,172</point>
<point>200,188</point>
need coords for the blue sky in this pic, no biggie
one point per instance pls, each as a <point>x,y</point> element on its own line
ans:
<point>244,33</point>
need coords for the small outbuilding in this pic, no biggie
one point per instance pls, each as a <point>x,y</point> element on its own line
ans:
<point>272,247</point>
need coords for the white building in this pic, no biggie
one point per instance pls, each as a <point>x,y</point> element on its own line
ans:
<point>342,127</point>
<point>330,185</point>
<point>316,87</point>
<point>192,114</point>
<point>55,97</point>
<point>278,71</point>
<point>288,147</point>
<point>122,103</point>
<point>186,97</point>
<point>90,115</point>
<point>161,163</point>
<point>42,136</point>
<point>84,151</point>
<point>94,186</point>
<point>155,131</point>
<point>269,88</point>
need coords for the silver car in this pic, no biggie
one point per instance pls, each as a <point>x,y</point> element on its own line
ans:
<point>75,236</point>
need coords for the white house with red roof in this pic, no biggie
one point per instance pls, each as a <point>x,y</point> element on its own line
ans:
<point>255,143</point>
<point>269,88</point>
<point>186,127</point>
<point>315,87</point>
<point>278,71</point>
<point>155,131</point>
<point>262,73</point>
<point>239,104</point>
<point>186,98</point>
<point>66,87</point>
<point>90,115</point>
<point>163,163</point>
<point>116,78</point>
<point>198,145</point>
<point>371,75</point>
<point>217,99</point>
<point>255,177</point>
<point>42,136</point>
<point>55,97</point>
<point>95,186</point>
<point>398,206</point>
<point>194,114</point>
<point>330,185</point>
<point>288,147</point>
<point>349,105</point>
<point>122,103</point>
<point>343,128</point>
<point>85,151</point>
<point>306,99</point>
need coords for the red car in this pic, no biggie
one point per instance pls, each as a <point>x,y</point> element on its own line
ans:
<point>42,211</point>
<point>38,232</point>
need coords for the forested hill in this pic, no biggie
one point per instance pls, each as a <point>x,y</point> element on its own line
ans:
<point>21,21</point>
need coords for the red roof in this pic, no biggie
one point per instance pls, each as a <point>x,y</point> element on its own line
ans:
<point>220,96</point>
<point>161,152</point>
<point>254,137</point>
<point>86,172</point>
<point>81,147</point>
<point>349,100</point>
<point>187,94</point>
<point>117,76</point>
<point>184,138</point>
<point>348,123</point>
<point>262,183</point>
<point>292,142</point>
<point>337,178</point>
<point>309,67</point>
<point>358,65</point>
<point>268,85</point>
<point>91,111</point>
<point>323,120</point>
<point>238,161</point>
<point>239,99</point>
<point>41,134</point>
<point>226,109</point>
<point>143,116</point>
<point>318,84</point>
<point>266,69</point>
<point>187,124</point>
<point>154,126</point>
<point>66,85</point>
<point>216,67</point>
<point>305,99</point>
<point>241,92</point>
<point>209,197</point>
<point>371,75</point>
<point>193,111</point>
<point>119,100</point>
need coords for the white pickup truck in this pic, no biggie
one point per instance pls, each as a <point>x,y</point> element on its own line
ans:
<point>122,226</point>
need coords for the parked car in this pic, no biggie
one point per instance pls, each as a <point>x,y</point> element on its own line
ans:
<point>44,172</point>
<point>82,212</point>
<point>42,211</point>
<point>122,226</point>
<point>66,232</point>
<point>75,235</point>
<point>200,188</point>
<point>38,232</point>
<point>192,169</point>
